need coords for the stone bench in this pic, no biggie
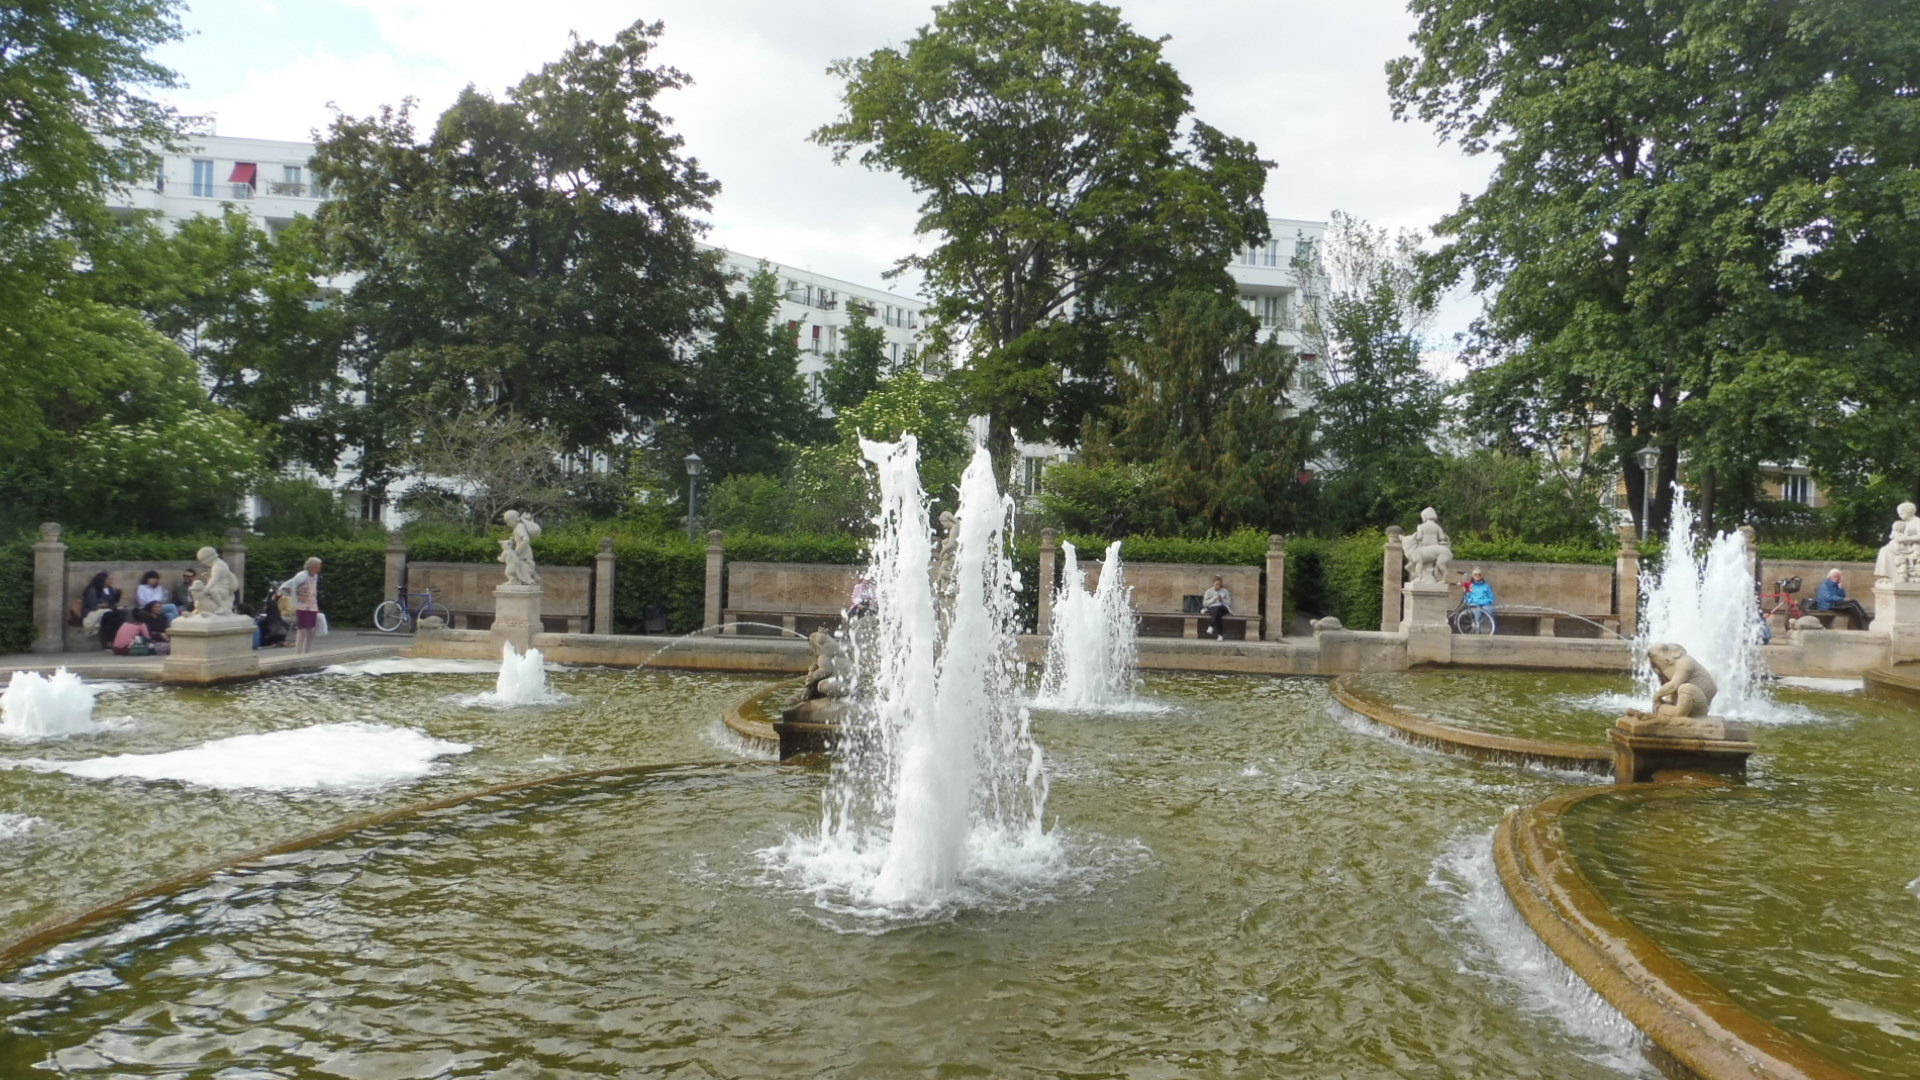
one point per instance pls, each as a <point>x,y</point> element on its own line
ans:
<point>797,597</point>
<point>1160,591</point>
<point>466,591</point>
<point>1552,623</point>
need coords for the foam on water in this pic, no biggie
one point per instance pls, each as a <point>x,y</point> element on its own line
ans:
<point>1500,947</point>
<point>35,706</point>
<point>14,826</point>
<point>323,756</point>
<point>407,665</point>
<point>938,791</point>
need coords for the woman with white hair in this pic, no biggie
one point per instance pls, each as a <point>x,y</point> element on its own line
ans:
<point>304,587</point>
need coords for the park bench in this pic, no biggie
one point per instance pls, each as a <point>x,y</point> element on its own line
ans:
<point>797,597</point>
<point>1551,599</point>
<point>1161,591</point>
<point>466,591</point>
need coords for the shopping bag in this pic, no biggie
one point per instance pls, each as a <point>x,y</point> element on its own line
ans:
<point>320,625</point>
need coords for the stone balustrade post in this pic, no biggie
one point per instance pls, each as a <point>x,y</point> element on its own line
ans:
<point>1626,582</point>
<point>1049,551</point>
<point>716,566</point>
<point>396,572</point>
<point>603,587</point>
<point>1393,573</point>
<point>1276,587</point>
<point>234,550</point>
<point>49,591</point>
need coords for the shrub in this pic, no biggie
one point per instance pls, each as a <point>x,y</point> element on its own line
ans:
<point>1352,567</point>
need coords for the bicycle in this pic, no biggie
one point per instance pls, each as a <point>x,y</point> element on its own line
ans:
<point>1784,604</point>
<point>391,615</point>
<point>1468,618</point>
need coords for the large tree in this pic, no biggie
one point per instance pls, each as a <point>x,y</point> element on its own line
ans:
<point>1377,410</point>
<point>746,404</point>
<point>538,253</point>
<point>1692,200</point>
<point>1066,182</point>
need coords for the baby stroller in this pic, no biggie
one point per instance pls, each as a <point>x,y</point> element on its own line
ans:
<point>273,626</point>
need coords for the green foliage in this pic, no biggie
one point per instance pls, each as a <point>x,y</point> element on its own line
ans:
<point>1059,165</point>
<point>1351,569</point>
<point>745,403</point>
<point>16,594</point>
<point>750,502</point>
<point>860,366</point>
<point>481,462</point>
<point>1830,551</point>
<point>1502,494</point>
<point>537,253</point>
<point>1698,229</point>
<point>1201,403</point>
<point>1107,499</point>
<point>1500,549</point>
<point>302,507</point>
<point>911,404</point>
<point>1306,586</point>
<point>1244,547</point>
<point>838,549</point>
<point>351,581</point>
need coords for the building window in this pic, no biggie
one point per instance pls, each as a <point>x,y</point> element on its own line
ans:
<point>1032,469</point>
<point>1797,489</point>
<point>290,181</point>
<point>815,349</point>
<point>203,178</point>
<point>1303,249</point>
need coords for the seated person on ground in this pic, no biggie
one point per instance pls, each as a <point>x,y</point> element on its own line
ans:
<point>130,631</point>
<point>101,596</point>
<point>153,618</point>
<point>1832,596</point>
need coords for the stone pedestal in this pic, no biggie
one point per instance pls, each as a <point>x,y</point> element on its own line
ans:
<point>1393,570</point>
<point>210,649</point>
<point>1896,611</point>
<point>50,591</point>
<point>1276,587</point>
<point>1644,746</point>
<point>1427,605</point>
<point>716,567</point>
<point>809,727</point>
<point>1049,553</point>
<point>516,616</point>
<point>603,587</point>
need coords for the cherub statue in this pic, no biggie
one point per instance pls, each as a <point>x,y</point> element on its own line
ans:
<point>1429,551</point>
<point>828,675</point>
<point>1687,689</point>
<point>516,551</point>
<point>213,595</point>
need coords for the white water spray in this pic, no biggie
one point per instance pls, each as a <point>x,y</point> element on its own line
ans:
<point>523,678</point>
<point>1092,653</point>
<point>39,707</point>
<point>938,789</point>
<point>1706,603</point>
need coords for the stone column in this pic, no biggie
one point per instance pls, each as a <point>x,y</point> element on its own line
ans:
<point>1049,551</point>
<point>716,566</point>
<point>1276,587</point>
<point>1393,573</point>
<point>396,574</point>
<point>1896,612</point>
<point>50,591</point>
<point>1626,582</point>
<point>516,616</point>
<point>235,552</point>
<point>603,587</point>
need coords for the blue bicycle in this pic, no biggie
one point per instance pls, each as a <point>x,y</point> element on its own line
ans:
<point>391,615</point>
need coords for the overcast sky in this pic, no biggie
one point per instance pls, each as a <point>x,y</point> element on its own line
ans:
<point>1304,81</point>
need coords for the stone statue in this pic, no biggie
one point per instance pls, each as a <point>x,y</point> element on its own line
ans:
<point>827,677</point>
<point>516,551</point>
<point>1687,689</point>
<point>213,594</point>
<point>943,559</point>
<point>1899,561</point>
<point>1429,551</point>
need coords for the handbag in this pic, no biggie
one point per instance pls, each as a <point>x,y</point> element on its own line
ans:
<point>320,624</point>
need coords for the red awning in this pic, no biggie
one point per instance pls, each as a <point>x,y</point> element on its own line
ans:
<point>244,172</point>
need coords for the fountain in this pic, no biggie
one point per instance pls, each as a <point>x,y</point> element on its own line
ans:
<point>522,681</point>
<point>939,777</point>
<point>1091,655</point>
<point>38,707</point>
<point>1704,602</point>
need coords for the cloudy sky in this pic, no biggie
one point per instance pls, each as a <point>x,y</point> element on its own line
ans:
<point>1303,80</point>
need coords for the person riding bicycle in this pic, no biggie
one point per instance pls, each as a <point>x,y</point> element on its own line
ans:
<point>1479,591</point>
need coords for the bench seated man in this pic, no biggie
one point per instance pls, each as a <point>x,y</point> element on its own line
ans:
<point>1832,596</point>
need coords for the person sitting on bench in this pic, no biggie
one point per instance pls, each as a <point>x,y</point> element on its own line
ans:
<point>1217,604</point>
<point>1832,596</point>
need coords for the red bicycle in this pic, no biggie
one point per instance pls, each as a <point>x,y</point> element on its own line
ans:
<point>1781,602</point>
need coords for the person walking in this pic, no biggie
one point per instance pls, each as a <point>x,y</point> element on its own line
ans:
<point>1832,596</point>
<point>304,587</point>
<point>1217,604</point>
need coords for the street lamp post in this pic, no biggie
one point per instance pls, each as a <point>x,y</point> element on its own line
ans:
<point>693,494</point>
<point>1649,460</point>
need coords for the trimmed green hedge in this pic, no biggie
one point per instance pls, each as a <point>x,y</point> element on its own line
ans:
<point>16,594</point>
<point>1836,551</point>
<point>1477,549</point>
<point>1352,568</point>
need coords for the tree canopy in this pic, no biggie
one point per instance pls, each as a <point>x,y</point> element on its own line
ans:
<point>537,253</point>
<point>1066,181</point>
<point>1701,226</point>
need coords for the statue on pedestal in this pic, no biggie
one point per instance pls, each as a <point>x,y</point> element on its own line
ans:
<point>213,595</point>
<point>1899,560</point>
<point>1429,551</point>
<point>827,677</point>
<point>516,551</point>
<point>1687,689</point>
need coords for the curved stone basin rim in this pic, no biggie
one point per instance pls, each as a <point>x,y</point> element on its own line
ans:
<point>1456,740</point>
